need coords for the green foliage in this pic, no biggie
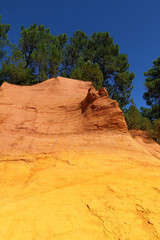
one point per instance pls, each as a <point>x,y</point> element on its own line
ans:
<point>54,61</point>
<point>13,70</point>
<point>88,72</point>
<point>37,58</point>
<point>73,51</point>
<point>157,129</point>
<point>42,51</point>
<point>152,84</point>
<point>28,42</point>
<point>100,50</point>
<point>137,120</point>
<point>150,117</point>
<point>133,117</point>
<point>146,112</point>
<point>4,28</point>
<point>145,124</point>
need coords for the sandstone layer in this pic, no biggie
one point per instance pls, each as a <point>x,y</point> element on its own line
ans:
<point>69,169</point>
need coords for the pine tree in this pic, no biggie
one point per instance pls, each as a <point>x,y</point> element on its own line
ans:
<point>73,51</point>
<point>157,129</point>
<point>38,56</point>
<point>88,72</point>
<point>133,117</point>
<point>4,28</point>
<point>13,69</point>
<point>152,84</point>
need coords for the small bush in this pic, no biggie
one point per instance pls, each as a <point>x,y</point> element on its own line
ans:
<point>157,129</point>
<point>133,117</point>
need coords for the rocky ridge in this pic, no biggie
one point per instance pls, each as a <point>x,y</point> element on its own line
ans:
<point>58,106</point>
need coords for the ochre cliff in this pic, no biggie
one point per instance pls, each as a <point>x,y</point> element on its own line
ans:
<point>69,169</point>
<point>58,106</point>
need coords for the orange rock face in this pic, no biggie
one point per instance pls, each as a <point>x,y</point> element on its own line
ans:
<point>58,106</point>
<point>100,112</point>
<point>69,169</point>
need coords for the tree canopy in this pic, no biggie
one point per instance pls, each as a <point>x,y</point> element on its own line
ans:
<point>14,69</point>
<point>152,85</point>
<point>4,28</point>
<point>88,71</point>
<point>133,117</point>
<point>42,50</point>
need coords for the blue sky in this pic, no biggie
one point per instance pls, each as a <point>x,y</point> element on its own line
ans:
<point>134,25</point>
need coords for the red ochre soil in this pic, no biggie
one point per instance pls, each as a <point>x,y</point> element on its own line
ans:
<point>69,168</point>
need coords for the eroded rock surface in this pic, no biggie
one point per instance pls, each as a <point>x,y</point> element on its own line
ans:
<point>101,112</point>
<point>69,169</point>
<point>58,106</point>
